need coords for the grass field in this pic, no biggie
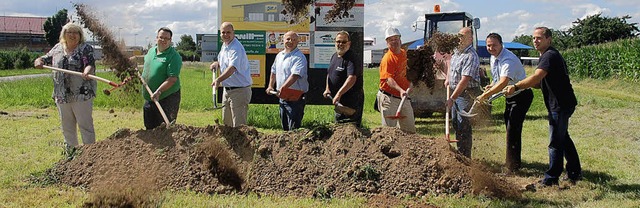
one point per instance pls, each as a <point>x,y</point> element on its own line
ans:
<point>603,128</point>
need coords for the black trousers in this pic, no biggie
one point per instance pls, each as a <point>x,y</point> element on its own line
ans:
<point>515,111</point>
<point>152,116</point>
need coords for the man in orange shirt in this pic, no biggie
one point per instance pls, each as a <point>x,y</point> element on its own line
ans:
<point>394,84</point>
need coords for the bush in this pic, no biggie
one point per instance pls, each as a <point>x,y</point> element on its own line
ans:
<point>189,55</point>
<point>618,60</point>
<point>17,59</point>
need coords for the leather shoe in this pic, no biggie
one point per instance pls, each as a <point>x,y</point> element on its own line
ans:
<point>548,182</point>
<point>572,180</point>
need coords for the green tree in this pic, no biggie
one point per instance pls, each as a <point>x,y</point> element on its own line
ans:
<point>524,39</point>
<point>598,29</point>
<point>53,26</point>
<point>186,43</point>
<point>561,39</point>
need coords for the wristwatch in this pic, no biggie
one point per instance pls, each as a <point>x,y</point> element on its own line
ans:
<point>515,87</point>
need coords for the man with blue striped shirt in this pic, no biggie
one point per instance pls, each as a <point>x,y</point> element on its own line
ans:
<point>507,69</point>
<point>464,81</point>
<point>289,74</point>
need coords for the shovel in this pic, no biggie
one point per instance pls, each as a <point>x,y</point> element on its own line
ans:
<point>447,135</point>
<point>97,78</point>
<point>214,92</point>
<point>341,109</point>
<point>398,116</point>
<point>164,116</point>
<point>471,114</point>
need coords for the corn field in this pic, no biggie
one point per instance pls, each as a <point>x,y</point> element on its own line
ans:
<point>617,60</point>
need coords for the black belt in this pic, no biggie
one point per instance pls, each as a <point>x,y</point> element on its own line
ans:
<point>389,94</point>
<point>233,88</point>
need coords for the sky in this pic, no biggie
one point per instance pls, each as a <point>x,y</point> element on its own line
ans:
<point>136,21</point>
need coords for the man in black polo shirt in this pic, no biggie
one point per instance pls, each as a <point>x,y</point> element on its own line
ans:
<point>344,80</point>
<point>553,77</point>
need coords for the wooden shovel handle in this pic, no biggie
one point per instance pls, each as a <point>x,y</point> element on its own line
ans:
<point>164,116</point>
<point>80,74</point>
<point>446,115</point>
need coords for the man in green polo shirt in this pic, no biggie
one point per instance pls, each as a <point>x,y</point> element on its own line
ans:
<point>162,66</point>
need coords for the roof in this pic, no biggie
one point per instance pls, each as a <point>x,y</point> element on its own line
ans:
<point>22,25</point>
<point>481,43</point>
<point>508,45</point>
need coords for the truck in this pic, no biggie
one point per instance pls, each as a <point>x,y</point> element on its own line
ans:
<point>260,25</point>
<point>425,100</point>
<point>372,57</point>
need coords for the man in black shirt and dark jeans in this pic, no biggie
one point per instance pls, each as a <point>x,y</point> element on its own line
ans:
<point>344,79</point>
<point>553,77</point>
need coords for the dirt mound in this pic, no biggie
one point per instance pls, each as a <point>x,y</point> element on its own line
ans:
<point>327,161</point>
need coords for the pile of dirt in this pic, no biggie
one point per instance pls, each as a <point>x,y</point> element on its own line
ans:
<point>324,162</point>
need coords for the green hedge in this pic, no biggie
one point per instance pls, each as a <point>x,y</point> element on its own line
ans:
<point>618,60</point>
<point>189,55</point>
<point>17,59</point>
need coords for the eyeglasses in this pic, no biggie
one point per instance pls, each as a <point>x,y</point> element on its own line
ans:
<point>164,38</point>
<point>341,42</point>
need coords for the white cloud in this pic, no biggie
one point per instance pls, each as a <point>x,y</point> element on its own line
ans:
<point>588,10</point>
<point>523,28</point>
<point>139,20</point>
<point>513,18</point>
<point>401,14</point>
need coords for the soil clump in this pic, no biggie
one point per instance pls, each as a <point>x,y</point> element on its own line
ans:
<point>114,56</point>
<point>421,64</point>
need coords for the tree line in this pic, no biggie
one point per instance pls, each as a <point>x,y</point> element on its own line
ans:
<point>591,30</point>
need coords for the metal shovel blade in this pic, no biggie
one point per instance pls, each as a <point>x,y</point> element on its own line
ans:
<point>215,100</point>
<point>214,92</point>
<point>397,116</point>
<point>468,114</point>
<point>471,114</point>
<point>341,109</point>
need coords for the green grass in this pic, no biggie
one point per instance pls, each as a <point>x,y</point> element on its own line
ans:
<point>604,129</point>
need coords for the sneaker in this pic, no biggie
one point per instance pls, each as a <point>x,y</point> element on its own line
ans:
<point>548,182</point>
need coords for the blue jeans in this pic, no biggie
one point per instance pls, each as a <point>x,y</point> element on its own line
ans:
<point>462,124</point>
<point>561,147</point>
<point>291,113</point>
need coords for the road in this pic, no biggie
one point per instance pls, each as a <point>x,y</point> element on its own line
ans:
<point>20,77</point>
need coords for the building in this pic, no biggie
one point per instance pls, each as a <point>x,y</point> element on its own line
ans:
<point>17,32</point>
<point>208,47</point>
<point>263,12</point>
<point>369,41</point>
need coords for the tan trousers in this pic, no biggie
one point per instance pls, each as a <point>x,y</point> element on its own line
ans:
<point>236,105</point>
<point>77,114</point>
<point>388,106</point>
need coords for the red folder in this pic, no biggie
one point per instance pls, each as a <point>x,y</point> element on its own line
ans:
<point>289,94</point>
